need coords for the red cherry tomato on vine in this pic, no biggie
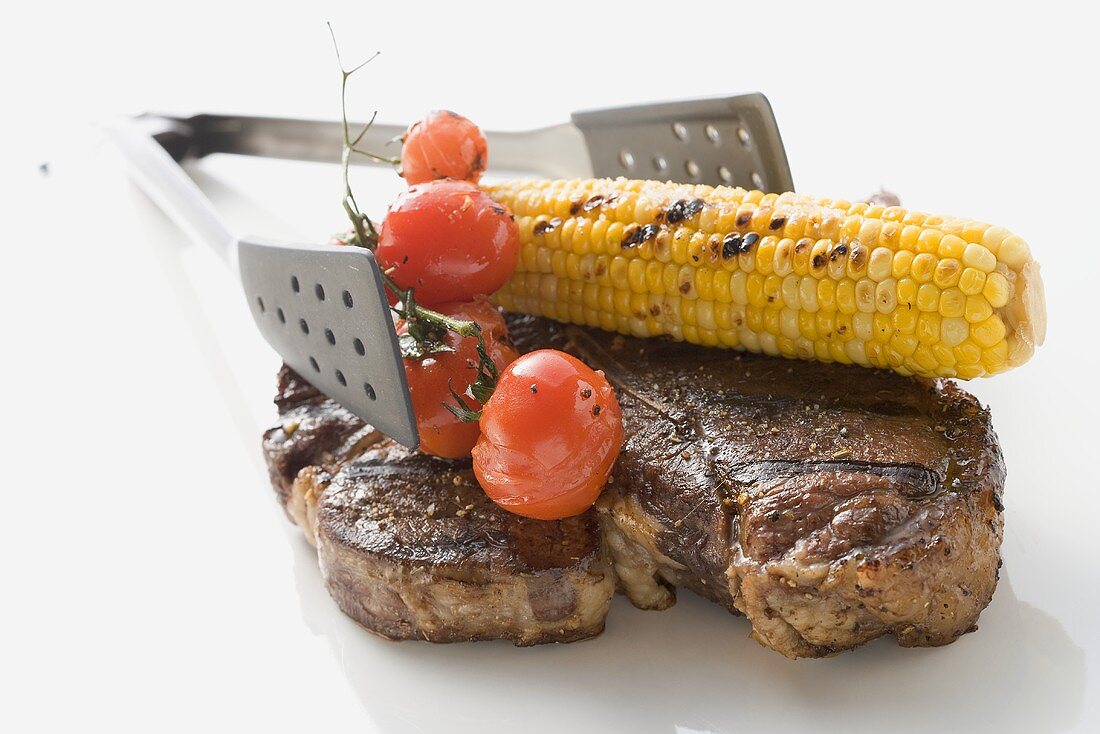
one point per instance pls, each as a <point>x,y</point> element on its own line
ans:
<point>448,241</point>
<point>444,145</point>
<point>549,436</point>
<point>430,379</point>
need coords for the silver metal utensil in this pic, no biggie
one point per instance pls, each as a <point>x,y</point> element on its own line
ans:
<point>323,308</point>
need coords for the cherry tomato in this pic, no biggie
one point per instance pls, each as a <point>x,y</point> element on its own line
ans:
<point>448,241</point>
<point>549,436</point>
<point>443,145</point>
<point>441,433</point>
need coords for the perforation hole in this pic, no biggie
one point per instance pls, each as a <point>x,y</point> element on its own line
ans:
<point>347,299</point>
<point>712,134</point>
<point>692,168</point>
<point>369,390</point>
<point>303,326</point>
<point>627,159</point>
<point>282,316</point>
<point>330,337</point>
<point>680,130</point>
<point>341,379</point>
<point>757,180</point>
<point>313,363</point>
<point>260,303</point>
<point>359,348</point>
<point>319,291</point>
<point>743,136</point>
<point>660,163</point>
<point>294,284</point>
<point>725,174</point>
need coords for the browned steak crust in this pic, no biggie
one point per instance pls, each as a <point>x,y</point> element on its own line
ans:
<point>411,548</point>
<point>829,504</point>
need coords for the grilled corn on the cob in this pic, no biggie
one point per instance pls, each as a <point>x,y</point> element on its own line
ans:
<point>783,274</point>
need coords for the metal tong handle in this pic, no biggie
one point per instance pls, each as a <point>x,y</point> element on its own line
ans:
<point>323,308</point>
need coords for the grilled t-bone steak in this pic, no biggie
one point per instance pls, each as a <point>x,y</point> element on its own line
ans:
<point>828,504</point>
<point>411,548</point>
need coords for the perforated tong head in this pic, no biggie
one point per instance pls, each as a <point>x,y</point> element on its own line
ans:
<point>324,309</point>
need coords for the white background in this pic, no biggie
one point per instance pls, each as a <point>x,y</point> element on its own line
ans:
<point>149,581</point>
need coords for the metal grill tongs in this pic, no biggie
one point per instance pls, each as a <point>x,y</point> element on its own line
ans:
<point>323,308</point>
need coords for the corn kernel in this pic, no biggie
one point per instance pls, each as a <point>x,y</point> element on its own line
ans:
<point>863,325</point>
<point>993,238</point>
<point>807,294</point>
<point>977,309</point>
<point>789,291</point>
<point>807,325</point>
<point>819,258</point>
<point>857,261</point>
<point>844,326</point>
<point>865,295</point>
<point>928,297</point>
<point>754,319</point>
<point>923,267</point>
<point>907,293</point>
<point>908,239</point>
<point>969,354</point>
<point>976,256</point>
<point>784,252</point>
<point>886,296</point>
<point>904,344</point>
<point>996,290</point>
<point>883,328</point>
<point>737,287</point>
<point>788,323</point>
<point>826,295</point>
<point>754,288</point>
<point>972,281</point>
<point>800,259</point>
<point>929,240</point>
<point>952,303</point>
<point>1014,252</point>
<point>954,331</point>
<point>771,321</point>
<point>951,246</point>
<point>905,320</point>
<point>989,332</point>
<point>880,264</point>
<point>846,296</point>
<point>902,262</point>
<point>947,273</point>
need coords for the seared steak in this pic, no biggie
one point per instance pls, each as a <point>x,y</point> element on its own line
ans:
<point>411,548</point>
<point>829,504</point>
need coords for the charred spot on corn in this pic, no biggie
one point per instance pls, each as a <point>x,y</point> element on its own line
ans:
<point>683,209</point>
<point>546,225</point>
<point>639,235</point>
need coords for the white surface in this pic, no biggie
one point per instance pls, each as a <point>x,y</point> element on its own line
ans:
<point>150,582</point>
